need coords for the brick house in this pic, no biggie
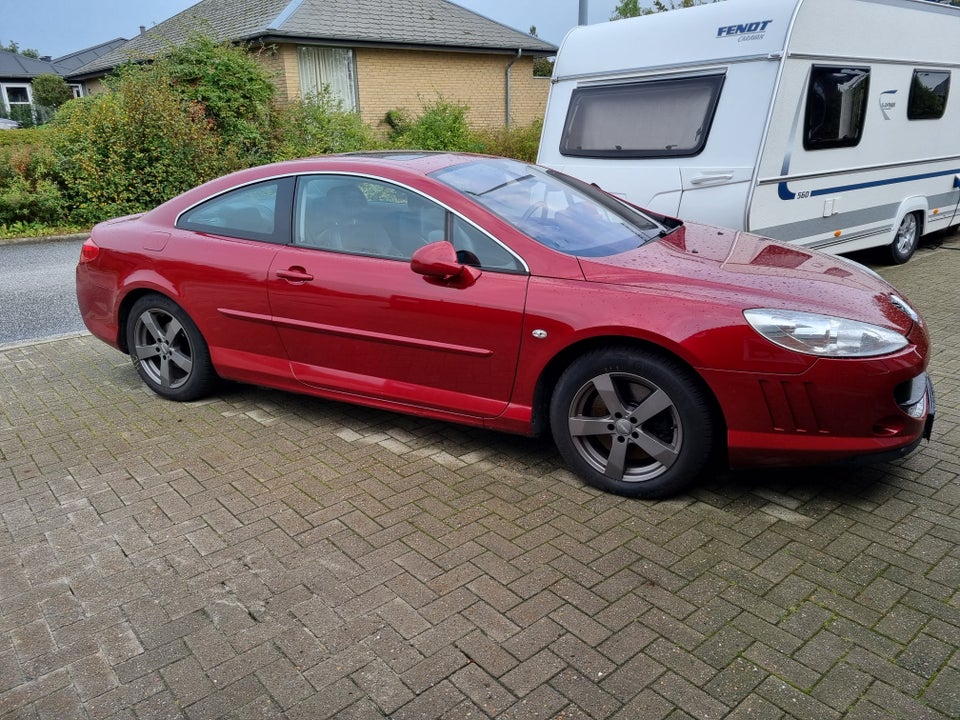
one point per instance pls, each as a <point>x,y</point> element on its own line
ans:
<point>373,55</point>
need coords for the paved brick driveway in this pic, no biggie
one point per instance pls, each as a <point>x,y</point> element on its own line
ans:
<point>262,555</point>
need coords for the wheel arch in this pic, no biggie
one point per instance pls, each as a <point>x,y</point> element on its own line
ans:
<point>561,361</point>
<point>915,204</point>
<point>128,301</point>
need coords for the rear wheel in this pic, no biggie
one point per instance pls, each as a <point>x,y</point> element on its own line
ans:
<point>168,350</point>
<point>632,423</point>
<point>906,240</point>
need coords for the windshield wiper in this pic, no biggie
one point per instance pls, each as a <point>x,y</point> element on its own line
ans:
<point>508,182</point>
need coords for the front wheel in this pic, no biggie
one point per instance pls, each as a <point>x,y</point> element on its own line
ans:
<point>168,350</point>
<point>906,240</point>
<point>632,423</point>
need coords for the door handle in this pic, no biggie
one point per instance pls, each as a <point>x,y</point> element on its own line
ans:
<point>714,178</point>
<point>295,274</point>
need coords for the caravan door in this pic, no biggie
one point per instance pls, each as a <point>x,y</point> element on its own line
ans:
<point>681,144</point>
<point>716,182</point>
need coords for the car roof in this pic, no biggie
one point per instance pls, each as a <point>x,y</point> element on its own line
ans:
<point>415,161</point>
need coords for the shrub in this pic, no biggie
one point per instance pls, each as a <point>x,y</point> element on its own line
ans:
<point>21,201</point>
<point>28,192</point>
<point>232,88</point>
<point>22,113</point>
<point>20,138</point>
<point>442,126</point>
<point>520,142</point>
<point>128,150</point>
<point>51,91</point>
<point>319,125</point>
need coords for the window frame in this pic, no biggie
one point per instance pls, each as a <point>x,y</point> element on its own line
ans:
<point>914,114</point>
<point>17,110</point>
<point>307,89</point>
<point>583,94</point>
<point>812,144</point>
<point>281,220</point>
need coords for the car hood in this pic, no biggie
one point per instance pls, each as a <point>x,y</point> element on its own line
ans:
<point>745,270</point>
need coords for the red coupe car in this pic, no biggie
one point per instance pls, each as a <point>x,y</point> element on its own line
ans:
<point>492,292</point>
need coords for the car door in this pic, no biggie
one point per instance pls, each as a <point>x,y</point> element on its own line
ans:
<point>355,318</point>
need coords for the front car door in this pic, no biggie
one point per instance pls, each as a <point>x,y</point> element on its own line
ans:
<point>355,319</point>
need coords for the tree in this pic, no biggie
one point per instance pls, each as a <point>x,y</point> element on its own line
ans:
<point>14,48</point>
<point>50,91</point>
<point>633,8</point>
<point>542,66</point>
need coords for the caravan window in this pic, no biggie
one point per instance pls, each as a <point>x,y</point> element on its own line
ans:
<point>928,94</point>
<point>660,118</point>
<point>836,107</point>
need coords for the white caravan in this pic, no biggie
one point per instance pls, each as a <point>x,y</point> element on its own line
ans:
<point>829,123</point>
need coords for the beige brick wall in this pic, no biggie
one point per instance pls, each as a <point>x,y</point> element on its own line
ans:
<point>391,79</point>
<point>409,79</point>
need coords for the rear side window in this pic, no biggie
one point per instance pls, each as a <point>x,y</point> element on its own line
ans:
<point>928,94</point>
<point>658,118</point>
<point>254,212</point>
<point>836,107</point>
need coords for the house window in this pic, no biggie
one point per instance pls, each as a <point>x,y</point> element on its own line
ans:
<point>16,96</point>
<point>330,68</point>
<point>836,107</point>
<point>928,95</point>
<point>659,118</point>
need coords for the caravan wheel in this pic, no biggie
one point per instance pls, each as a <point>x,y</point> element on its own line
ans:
<point>906,240</point>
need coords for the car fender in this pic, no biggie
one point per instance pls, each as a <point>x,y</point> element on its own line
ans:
<point>135,285</point>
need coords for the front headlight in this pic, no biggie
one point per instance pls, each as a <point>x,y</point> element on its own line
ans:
<point>822,335</point>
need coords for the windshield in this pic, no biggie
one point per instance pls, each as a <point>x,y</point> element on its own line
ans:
<point>556,211</point>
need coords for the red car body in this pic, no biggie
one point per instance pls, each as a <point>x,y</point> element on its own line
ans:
<point>488,347</point>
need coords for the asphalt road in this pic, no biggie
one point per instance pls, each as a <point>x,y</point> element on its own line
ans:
<point>37,297</point>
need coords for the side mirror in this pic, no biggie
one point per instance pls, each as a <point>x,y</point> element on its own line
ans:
<point>438,263</point>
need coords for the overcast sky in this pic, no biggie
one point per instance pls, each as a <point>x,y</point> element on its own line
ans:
<point>60,27</point>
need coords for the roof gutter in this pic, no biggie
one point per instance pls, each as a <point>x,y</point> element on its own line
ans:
<point>507,99</point>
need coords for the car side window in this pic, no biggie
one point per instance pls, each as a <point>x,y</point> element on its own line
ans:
<point>362,216</point>
<point>252,212</point>
<point>475,247</point>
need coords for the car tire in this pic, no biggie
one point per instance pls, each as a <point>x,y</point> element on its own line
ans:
<point>633,423</point>
<point>168,350</point>
<point>906,240</point>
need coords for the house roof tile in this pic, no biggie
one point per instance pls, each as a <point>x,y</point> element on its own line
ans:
<point>411,23</point>
<point>14,66</point>
<point>68,63</point>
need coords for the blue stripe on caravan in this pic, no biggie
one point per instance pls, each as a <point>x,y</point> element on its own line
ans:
<point>786,194</point>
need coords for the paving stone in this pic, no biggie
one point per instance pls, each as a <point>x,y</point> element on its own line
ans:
<point>689,697</point>
<point>264,555</point>
<point>585,693</point>
<point>943,694</point>
<point>485,693</point>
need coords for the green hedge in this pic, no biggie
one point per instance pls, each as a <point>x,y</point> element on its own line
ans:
<point>200,112</point>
